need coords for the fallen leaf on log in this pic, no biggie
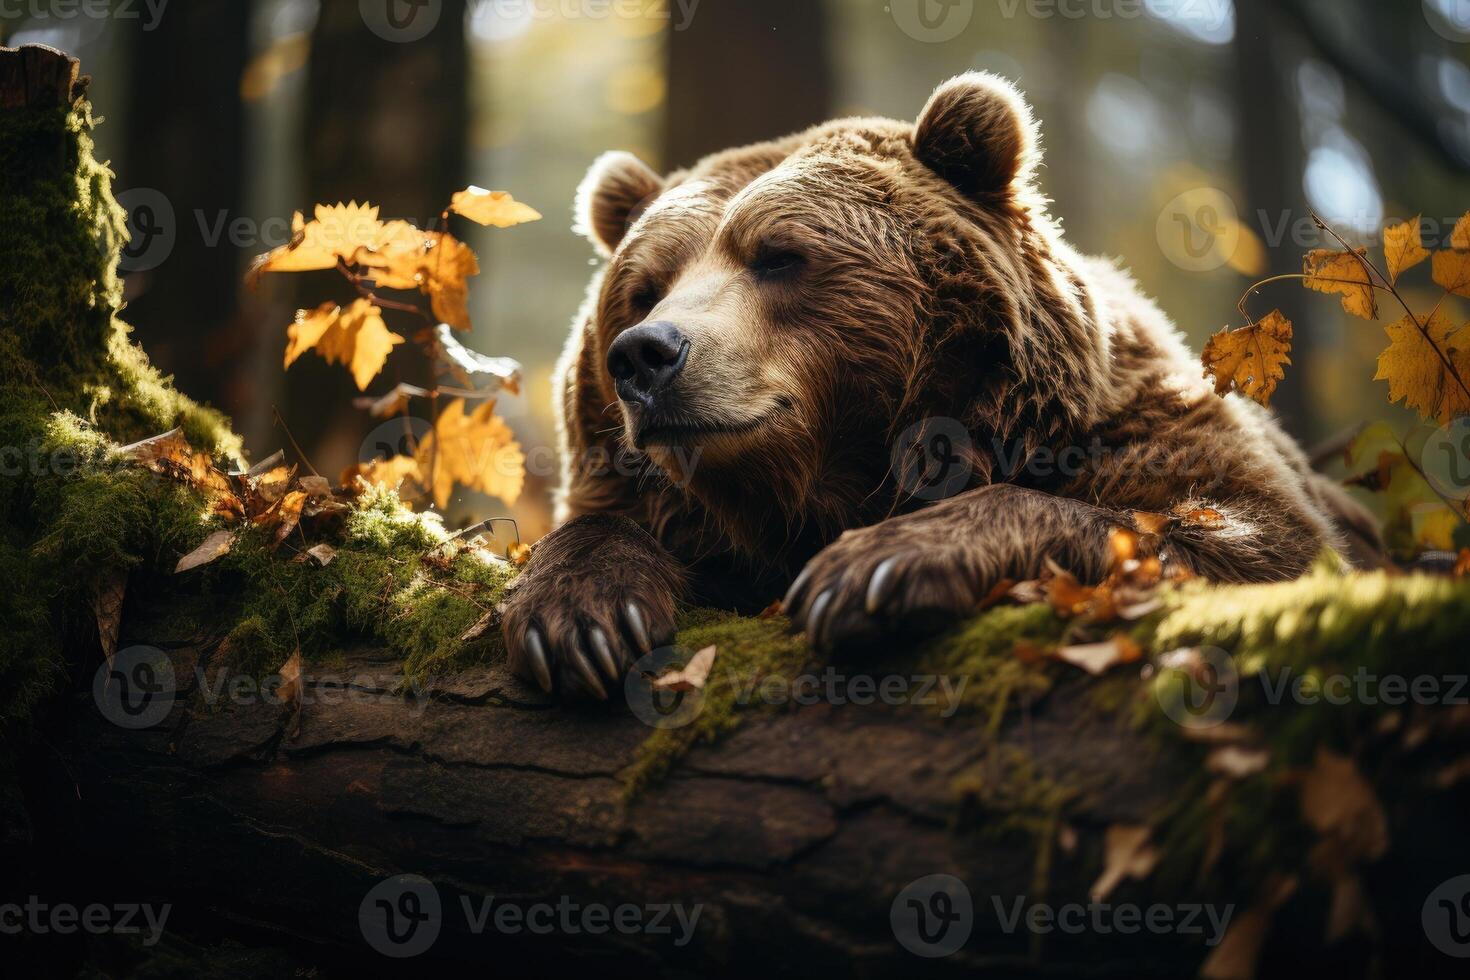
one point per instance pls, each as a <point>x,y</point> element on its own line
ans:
<point>1098,658</point>
<point>107,603</point>
<point>691,677</point>
<point>217,544</point>
<point>1127,853</point>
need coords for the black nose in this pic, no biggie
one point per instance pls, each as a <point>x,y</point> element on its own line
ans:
<point>644,359</point>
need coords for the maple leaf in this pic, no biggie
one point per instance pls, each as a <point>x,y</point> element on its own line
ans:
<point>1251,360</point>
<point>476,451</point>
<point>1403,248</point>
<point>1415,372</point>
<point>335,232</point>
<point>1329,271</point>
<point>1452,271</point>
<point>356,337</point>
<point>389,473</point>
<point>491,207</point>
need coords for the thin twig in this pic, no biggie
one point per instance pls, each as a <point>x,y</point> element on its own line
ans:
<point>287,429</point>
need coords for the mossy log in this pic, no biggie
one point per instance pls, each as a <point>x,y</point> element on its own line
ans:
<point>791,813</point>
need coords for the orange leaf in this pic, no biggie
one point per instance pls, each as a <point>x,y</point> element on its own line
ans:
<point>1402,247</point>
<point>1452,271</point>
<point>476,451</point>
<point>1251,359</point>
<point>1461,237</point>
<point>1329,271</point>
<point>355,337</point>
<point>1416,374</point>
<point>491,207</point>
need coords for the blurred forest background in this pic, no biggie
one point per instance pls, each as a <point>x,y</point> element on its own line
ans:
<point>1190,138</point>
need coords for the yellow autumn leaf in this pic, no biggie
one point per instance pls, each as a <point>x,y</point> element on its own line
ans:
<point>1461,237</point>
<point>1452,271</point>
<point>1416,374</point>
<point>390,472</point>
<point>355,337</point>
<point>335,232</point>
<point>1403,248</point>
<point>1251,359</point>
<point>492,207</point>
<point>1345,273</point>
<point>1434,527</point>
<point>476,451</point>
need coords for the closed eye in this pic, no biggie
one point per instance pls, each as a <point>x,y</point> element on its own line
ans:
<point>776,263</point>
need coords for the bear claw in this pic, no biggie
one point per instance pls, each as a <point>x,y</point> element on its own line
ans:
<point>536,656</point>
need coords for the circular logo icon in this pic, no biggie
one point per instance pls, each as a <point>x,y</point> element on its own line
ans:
<point>137,689</point>
<point>1445,459</point>
<point>1446,916</point>
<point>1199,230</point>
<point>658,708</point>
<point>400,20</point>
<point>394,438</point>
<point>152,229</point>
<point>931,458</point>
<point>401,916</point>
<point>932,21</point>
<point>1197,687</point>
<point>932,917</point>
<point>1450,19</point>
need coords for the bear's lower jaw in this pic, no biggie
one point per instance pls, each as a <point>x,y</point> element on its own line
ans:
<point>656,435</point>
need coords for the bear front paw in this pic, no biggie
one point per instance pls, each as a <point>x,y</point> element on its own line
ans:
<point>880,583</point>
<point>596,596</point>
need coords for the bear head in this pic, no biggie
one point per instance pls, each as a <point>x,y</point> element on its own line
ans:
<point>773,323</point>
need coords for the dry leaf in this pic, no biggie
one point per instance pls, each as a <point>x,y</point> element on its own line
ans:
<point>1415,373</point>
<point>390,472</point>
<point>518,553</point>
<point>1127,853</point>
<point>1452,271</point>
<point>1403,247</point>
<point>107,603</point>
<point>395,402</point>
<point>171,455</point>
<point>1098,658</point>
<point>316,486</point>
<point>289,693</point>
<point>1460,239</point>
<point>355,337</point>
<point>217,544</point>
<point>1340,804</point>
<point>475,367</point>
<point>1345,273</point>
<point>478,630</point>
<point>476,451</point>
<point>335,232</point>
<point>691,677</point>
<point>491,207</point>
<point>323,553</point>
<point>1237,761</point>
<point>1250,360</point>
<point>1238,953</point>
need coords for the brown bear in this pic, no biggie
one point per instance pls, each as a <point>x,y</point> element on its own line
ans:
<point>861,367</point>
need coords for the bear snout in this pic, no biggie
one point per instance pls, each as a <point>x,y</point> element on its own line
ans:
<point>644,360</point>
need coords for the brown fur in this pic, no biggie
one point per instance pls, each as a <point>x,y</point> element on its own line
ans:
<point>838,287</point>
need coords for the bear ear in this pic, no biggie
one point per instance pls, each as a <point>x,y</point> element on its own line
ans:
<point>612,194</point>
<point>977,133</point>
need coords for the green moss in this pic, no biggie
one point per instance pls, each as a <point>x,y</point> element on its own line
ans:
<point>750,652</point>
